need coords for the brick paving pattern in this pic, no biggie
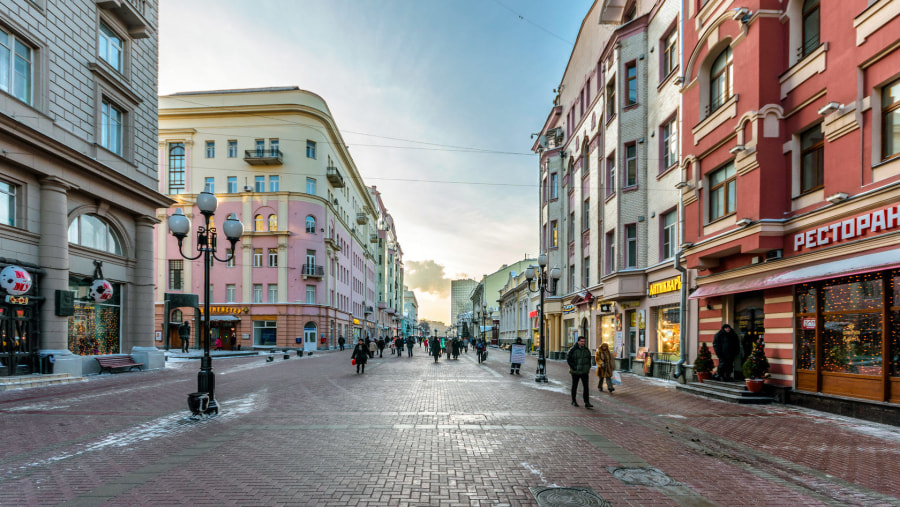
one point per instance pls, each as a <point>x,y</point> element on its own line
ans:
<point>310,431</point>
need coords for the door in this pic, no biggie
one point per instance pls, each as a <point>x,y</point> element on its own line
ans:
<point>18,343</point>
<point>309,336</point>
<point>749,325</point>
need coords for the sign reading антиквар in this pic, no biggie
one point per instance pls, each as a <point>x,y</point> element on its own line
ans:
<point>875,221</point>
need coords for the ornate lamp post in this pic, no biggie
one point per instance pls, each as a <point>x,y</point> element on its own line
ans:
<point>204,400</point>
<point>542,282</point>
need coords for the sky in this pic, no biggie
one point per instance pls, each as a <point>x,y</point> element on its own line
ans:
<point>436,99</point>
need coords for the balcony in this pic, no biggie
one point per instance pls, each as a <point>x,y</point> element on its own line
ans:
<point>373,238</point>
<point>369,310</point>
<point>312,271</point>
<point>263,156</point>
<point>334,177</point>
<point>334,245</point>
<point>362,219</point>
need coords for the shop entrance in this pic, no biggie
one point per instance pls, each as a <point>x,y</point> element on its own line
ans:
<point>749,324</point>
<point>18,340</point>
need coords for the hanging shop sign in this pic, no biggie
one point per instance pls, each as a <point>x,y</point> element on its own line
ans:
<point>17,300</point>
<point>568,309</point>
<point>670,285</point>
<point>876,221</point>
<point>101,291</point>
<point>15,280</point>
<point>233,310</point>
<point>356,322</point>
<point>604,306</point>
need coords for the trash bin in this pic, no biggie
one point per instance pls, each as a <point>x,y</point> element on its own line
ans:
<point>47,363</point>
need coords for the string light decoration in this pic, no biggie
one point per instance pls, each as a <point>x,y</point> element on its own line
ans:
<point>95,327</point>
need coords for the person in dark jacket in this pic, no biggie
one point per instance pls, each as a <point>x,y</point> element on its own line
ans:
<point>727,345</point>
<point>380,344</point>
<point>435,346</point>
<point>579,359</point>
<point>410,343</point>
<point>361,354</point>
<point>341,342</point>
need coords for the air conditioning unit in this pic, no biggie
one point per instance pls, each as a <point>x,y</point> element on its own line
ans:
<point>248,188</point>
<point>771,255</point>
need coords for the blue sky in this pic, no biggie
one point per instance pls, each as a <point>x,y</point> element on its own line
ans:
<point>436,99</point>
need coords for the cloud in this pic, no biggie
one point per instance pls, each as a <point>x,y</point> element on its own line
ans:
<point>427,276</point>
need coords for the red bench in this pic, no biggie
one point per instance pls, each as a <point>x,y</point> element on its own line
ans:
<point>109,362</point>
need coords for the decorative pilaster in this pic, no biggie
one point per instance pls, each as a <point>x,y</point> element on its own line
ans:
<point>54,259</point>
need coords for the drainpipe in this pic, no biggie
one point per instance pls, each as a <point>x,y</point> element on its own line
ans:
<point>679,366</point>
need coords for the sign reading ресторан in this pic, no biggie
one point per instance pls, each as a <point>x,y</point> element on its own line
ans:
<point>875,221</point>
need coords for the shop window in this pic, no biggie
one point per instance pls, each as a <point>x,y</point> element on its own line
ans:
<point>668,330</point>
<point>95,328</point>
<point>806,327</point>
<point>93,232</point>
<point>852,326</point>
<point>608,330</point>
<point>894,313</point>
<point>264,332</point>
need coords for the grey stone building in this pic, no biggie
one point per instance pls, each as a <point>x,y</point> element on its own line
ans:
<point>78,179</point>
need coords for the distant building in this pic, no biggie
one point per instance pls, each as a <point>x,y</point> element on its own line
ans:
<point>460,294</point>
<point>410,312</point>
<point>78,180</point>
<point>388,271</point>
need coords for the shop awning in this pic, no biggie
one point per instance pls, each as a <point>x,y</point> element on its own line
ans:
<point>790,276</point>
<point>223,317</point>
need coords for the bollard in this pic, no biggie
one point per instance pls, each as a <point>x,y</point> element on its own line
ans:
<point>269,359</point>
<point>286,356</point>
<point>299,353</point>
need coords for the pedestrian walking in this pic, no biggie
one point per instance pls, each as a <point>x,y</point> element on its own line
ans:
<point>435,347</point>
<point>727,345</point>
<point>410,342</point>
<point>579,359</point>
<point>372,348</point>
<point>341,342</point>
<point>479,350</point>
<point>380,344</point>
<point>604,360</point>
<point>218,343</point>
<point>361,354</point>
<point>465,345</point>
<point>184,332</point>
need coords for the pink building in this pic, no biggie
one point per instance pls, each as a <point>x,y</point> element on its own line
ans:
<point>303,274</point>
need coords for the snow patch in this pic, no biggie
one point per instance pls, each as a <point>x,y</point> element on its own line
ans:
<point>536,471</point>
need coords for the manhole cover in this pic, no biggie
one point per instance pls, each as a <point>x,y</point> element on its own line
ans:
<point>565,497</point>
<point>641,476</point>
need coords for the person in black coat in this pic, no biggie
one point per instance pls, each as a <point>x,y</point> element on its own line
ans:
<point>727,347</point>
<point>361,354</point>
<point>435,345</point>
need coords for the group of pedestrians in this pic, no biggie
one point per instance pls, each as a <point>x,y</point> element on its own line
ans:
<point>366,349</point>
<point>452,347</point>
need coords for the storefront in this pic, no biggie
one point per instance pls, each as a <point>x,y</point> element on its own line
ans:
<point>666,317</point>
<point>96,326</point>
<point>19,319</point>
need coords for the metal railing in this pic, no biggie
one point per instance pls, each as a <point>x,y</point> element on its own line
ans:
<point>312,270</point>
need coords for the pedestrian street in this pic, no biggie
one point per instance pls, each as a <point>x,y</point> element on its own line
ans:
<point>409,431</point>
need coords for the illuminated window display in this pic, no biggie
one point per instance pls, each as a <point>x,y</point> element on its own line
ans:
<point>608,330</point>
<point>96,327</point>
<point>668,330</point>
<point>894,329</point>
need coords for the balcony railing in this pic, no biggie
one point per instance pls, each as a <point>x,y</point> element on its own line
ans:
<point>369,310</point>
<point>361,218</point>
<point>262,156</point>
<point>373,238</point>
<point>312,270</point>
<point>334,176</point>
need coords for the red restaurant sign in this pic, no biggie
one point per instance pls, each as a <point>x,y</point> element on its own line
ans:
<point>854,227</point>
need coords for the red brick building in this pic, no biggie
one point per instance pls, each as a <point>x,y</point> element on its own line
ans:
<point>791,186</point>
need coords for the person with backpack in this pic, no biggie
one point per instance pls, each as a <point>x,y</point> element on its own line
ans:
<point>480,350</point>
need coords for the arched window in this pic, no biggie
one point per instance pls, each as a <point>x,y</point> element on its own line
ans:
<point>176,168</point>
<point>720,80</point>
<point>810,24</point>
<point>273,222</point>
<point>258,223</point>
<point>92,232</point>
<point>310,224</point>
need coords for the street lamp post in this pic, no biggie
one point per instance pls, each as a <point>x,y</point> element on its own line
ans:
<point>542,281</point>
<point>204,400</point>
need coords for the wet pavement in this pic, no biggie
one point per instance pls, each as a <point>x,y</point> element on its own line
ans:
<point>310,431</point>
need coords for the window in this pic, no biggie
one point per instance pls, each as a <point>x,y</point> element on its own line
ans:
<point>670,53</point>
<point>92,232</point>
<point>176,274</point>
<point>310,294</point>
<point>273,183</point>
<point>668,135</point>
<point>257,293</point>
<point>110,47</point>
<point>229,254</point>
<point>571,227</point>
<point>257,257</point>
<point>310,224</point>
<point>669,222</point>
<point>631,246</point>
<point>630,165</point>
<point>586,265</point>
<point>15,67</point>
<point>229,293</point>
<point>631,88</point>
<point>554,186</point>
<point>720,80</point>
<point>810,24</point>
<point>311,186</point>
<point>258,223</point>
<point>611,98</point>
<point>611,175</point>
<point>721,192</point>
<point>273,147</point>
<point>111,126</point>
<point>890,120</point>
<point>610,251</point>
<point>273,257</point>
<point>7,203</point>
<point>265,332</point>
<point>209,185</point>
<point>232,148</point>
<point>176,168</point>
<point>273,222</point>
<point>310,149</point>
<point>259,184</point>
<point>273,292</point>
<point>812,159</point>
<point>586,215</point>
<point>554,234</point>
<point>260,147</point>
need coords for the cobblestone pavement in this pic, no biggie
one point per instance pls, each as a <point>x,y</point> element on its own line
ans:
<point>310,431</point>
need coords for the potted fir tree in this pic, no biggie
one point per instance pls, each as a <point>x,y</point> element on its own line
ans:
<point>703,365</point>
<point>756,367</point>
